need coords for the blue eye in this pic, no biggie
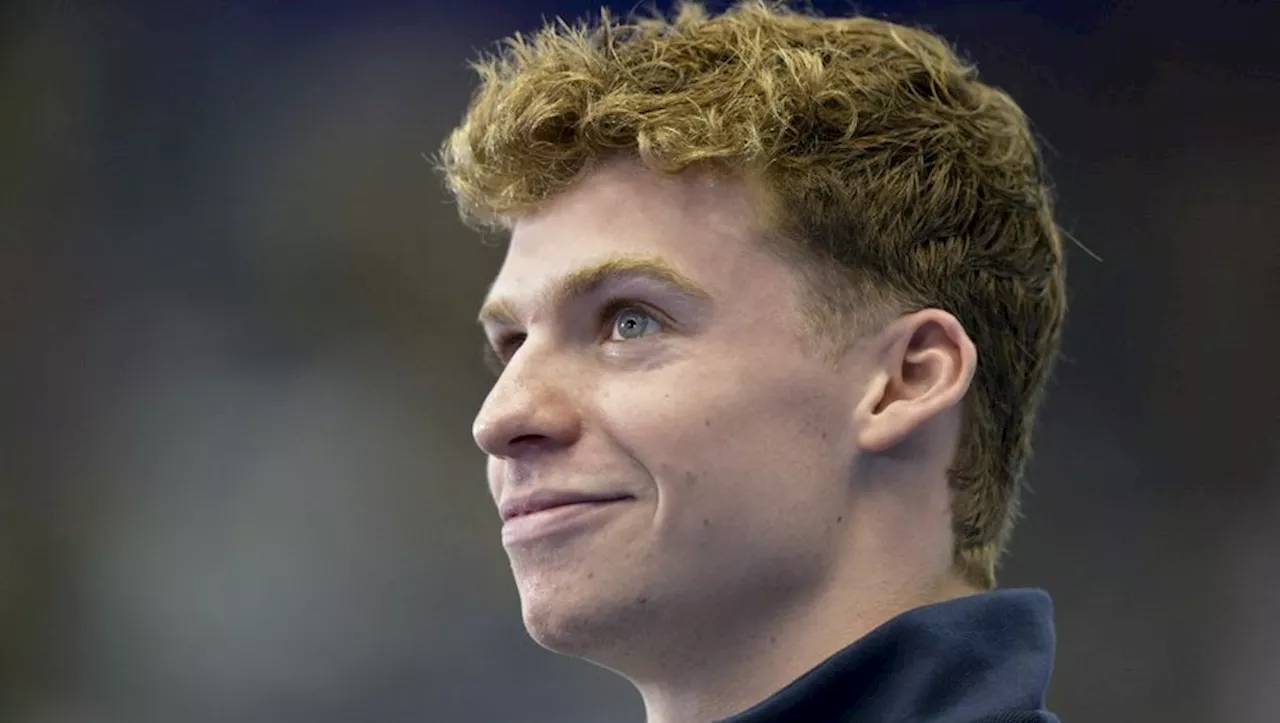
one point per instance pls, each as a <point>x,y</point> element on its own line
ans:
<point>632,323</point>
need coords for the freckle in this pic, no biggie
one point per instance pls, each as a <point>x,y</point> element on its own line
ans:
<point>708,423</point>
<point>644,600</point>
<point>706,521</point>
<point>590,575</point>
<point>691,479</point>
<point>840,519</point>
<point>773,640</point>
<point>824,435</point>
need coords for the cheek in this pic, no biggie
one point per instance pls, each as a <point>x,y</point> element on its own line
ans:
<point>748,490</point>
<point>735,451</point>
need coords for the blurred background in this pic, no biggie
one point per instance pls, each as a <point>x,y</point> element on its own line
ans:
<point>240,365</point>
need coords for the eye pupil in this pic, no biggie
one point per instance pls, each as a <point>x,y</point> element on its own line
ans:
<point>631,323</point>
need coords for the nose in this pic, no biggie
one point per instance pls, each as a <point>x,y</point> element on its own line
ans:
<point>529,409</point>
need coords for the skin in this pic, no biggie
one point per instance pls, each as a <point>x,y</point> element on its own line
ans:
<point>779,504</point>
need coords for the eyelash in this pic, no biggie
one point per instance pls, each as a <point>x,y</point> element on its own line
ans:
<point>612,308</point>
<point>504,347</point>
<point>497,355</point>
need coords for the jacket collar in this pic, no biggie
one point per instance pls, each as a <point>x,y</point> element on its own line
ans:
<point>985,656</point>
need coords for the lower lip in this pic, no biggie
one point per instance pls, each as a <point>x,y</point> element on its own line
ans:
<point>561,519</point>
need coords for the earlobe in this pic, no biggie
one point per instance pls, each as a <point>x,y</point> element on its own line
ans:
<point>926,362</point>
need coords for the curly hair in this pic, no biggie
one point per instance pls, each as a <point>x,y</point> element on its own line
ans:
<point>895,180</point>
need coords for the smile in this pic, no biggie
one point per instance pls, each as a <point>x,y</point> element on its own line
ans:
<point>558,522</point>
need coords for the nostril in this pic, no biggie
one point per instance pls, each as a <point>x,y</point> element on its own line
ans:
<point>520,417</point>
<point>525,440</point>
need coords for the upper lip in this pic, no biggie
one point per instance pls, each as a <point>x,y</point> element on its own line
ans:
<point>546,499</point>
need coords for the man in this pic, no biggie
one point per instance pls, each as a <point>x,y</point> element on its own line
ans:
<point>779,303</point>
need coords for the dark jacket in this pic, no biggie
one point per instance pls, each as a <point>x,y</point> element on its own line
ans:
<point>980,659</point>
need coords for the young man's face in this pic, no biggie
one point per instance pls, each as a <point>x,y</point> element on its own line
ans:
<point>654,363</point>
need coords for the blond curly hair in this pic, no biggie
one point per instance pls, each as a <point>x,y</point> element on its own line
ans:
<point>896,181</point>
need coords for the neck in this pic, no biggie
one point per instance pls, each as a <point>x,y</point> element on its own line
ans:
<point>894,554</point>
<point>748,660</point>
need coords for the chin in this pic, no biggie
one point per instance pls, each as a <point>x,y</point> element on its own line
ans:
<point>579,624</point>
<point>560,620</point>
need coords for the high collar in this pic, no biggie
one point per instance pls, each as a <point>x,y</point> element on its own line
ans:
<point>986,657</point>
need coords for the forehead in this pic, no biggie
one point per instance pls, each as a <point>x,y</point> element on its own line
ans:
<point>700,226</point>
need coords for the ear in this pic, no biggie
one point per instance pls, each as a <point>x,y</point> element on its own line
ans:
<point>923,364</point>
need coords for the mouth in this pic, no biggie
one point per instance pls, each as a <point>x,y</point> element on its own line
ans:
<point>539,503</point>
<point>560,521</point>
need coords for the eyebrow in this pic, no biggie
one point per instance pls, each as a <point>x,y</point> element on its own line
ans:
<point>590,279</point>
